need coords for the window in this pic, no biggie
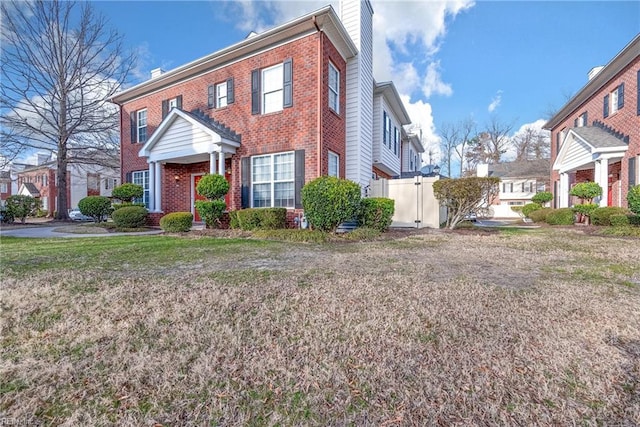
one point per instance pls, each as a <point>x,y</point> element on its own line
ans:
<point>170,104</point>
<point>516,203</point>
<point>272,180</point>
<point>142,178</point>
<point>272,88</point>
<point>44,179</point>
<point>221,95</point>
<point>581,120</point>
<point>396,138</point>
<point>613,101</point>
<point>386,138</point>
<point>142,126</point>
<point>3,188</point>
<point>110,183</point>
<point>334,88</point>
<point>504,187</point>
<point>411,162</point>
<point>334,164</point>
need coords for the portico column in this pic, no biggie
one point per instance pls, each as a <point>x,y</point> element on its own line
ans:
<point>152,189</point>
<point>221,163</point>
<point>212,163</point>
<point>158,187</point>
<point>603,181</point>
<point>563,199</point>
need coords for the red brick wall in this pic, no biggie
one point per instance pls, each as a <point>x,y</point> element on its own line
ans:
<point>626,120</point>
<point>298,127</point>
<point>50,190</point>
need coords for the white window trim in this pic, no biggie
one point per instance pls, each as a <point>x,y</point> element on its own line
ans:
<point>139,126</point>
<point>613,101</point>
<point>221,100</point>
<point>144,178</point>
<point>335,91</point>
<point>280,89</point>
<point>173,103</point>
<point>272,181</point>
<point>336,158</point>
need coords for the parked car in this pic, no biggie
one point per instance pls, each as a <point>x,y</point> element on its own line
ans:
<point>471,216</point>
<point>76,215</point>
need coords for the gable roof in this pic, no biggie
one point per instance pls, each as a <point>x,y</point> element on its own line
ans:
<point>608,72</point>
<point>388,90</point>
<point>323,20</point>
<point>521,169</point>
<point>584,145</point>
<point>28,189</point>
<point>597,137</point>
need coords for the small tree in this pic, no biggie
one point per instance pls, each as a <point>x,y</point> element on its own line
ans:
<point>542,198</point>
<point>214,188</point>
<point>586,192</point>
<point>633,199</point>
<point>128,192</point>
<point>19,206</point>
<point>97,207</point>
<point>464,195</point>
<point>329,201</point>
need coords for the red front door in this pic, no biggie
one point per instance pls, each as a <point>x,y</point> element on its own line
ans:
<point>196,196</point>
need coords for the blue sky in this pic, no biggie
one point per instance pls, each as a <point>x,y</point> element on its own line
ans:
<point>450,60</point>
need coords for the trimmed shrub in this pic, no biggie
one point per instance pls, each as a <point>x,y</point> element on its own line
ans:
<point>540,215</point>
<point>130,217</point>
<point>602,216</point>
<point>376,213</point>
<point>530,207</point>
<point>542,197</point>
<point>585,211</point>
<point>19,207</point>
<point>127,192</point>
<point>177,222</point>
<point>562,216</point>
<point>258,219</point>
<point>329,201</point>
<point>211,211</point>
<point>212,187</point>
<point>97,207</point>
<point>633,199</point>
<point>634,220</point>
<point>586,191</point>
<point>116,206</point>
<point>619,220</point>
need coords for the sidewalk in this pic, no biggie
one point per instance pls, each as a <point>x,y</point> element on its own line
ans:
<point>40,231</point>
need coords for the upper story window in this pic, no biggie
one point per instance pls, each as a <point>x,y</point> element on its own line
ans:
<point>139,126</point>
<point>334,164</point>
<point>272,88</point>
<point>613,101</point>
<point>581,120</point>
<point>170,104</point>
<point>386,137</point>
<point>220,95</point>
<point>396,140</point>
<point>4,188</point>
<point>411,160</point>
<point>334,88</point>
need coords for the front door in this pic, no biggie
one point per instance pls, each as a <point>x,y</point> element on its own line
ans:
<point>195,196</point>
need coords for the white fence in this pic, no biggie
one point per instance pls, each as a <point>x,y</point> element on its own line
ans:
<point>415,203</point>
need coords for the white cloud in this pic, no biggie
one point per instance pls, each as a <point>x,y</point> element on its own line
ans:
<point>510,154</point>
<point>422,120</point>
<point>495,102</point>
<point>432,82</point>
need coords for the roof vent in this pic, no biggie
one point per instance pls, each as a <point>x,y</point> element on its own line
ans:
<point>156,72</point>
<point>594,71</point>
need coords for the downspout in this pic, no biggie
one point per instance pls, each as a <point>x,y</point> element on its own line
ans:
<point>319,115</point>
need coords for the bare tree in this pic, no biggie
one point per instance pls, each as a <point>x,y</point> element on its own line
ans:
<point>531,144</point>
<point>60,63</point>
<point>490,144</point>
<point>449,140</point>
<point>467,129</point>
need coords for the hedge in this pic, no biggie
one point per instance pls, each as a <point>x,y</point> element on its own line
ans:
<point>619,220</point>
<point>376,213</point>
<point>530,207</point>
<point>130,217</point>
<point>177,222</point>
<point>602,216</point>
<point>258,219</point>
<point>633,199</point>
<point>540,215</point>
<point>329,201</point>
<point>211,211</point>
<point>562,216</point>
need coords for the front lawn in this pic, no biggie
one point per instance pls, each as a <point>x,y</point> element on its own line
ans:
<point>436,328</point>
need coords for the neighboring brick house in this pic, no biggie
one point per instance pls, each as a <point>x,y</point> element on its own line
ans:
<point>596,135</point>
<point>271,113</point>
<point>5,185</point>
<point>82,180</point>
<point>519,182</point>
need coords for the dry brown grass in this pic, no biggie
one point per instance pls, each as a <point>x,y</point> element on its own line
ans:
<point>431,329</point>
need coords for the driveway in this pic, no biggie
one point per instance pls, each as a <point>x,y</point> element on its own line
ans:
<point>50,232</point>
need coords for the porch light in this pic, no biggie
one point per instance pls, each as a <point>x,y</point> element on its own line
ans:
<point>177,178</point>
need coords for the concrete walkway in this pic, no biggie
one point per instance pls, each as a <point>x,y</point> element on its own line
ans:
<point>50,232</point>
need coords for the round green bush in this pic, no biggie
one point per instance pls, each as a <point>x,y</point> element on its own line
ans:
<point>530,207</point>
<point>213,187</point>
<point>542,197</point>
<point>329,201</point>
<point>619,220</point>
<point>127,192</point>
<point>586,191</point>
<point>130,217</point>
<point>633,199</point>
<point>177,222</point>
<point>19,206</point>
<point>211,211</point>
<point>562,216</point>
<point>97,207</point>
<point>540,215</point>
<point>602,216</point>
<point>376,213</point>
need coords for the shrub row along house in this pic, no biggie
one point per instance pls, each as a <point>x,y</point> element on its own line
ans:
<point>270,113</point>
<point>596,135</point>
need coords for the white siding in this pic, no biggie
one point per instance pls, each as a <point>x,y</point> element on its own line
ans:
<point>183,136</point>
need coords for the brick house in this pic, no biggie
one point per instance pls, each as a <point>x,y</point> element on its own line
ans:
<point>5,185</point>
<point>596,135</point>
<point>271,113</point>
<point>82,180</point>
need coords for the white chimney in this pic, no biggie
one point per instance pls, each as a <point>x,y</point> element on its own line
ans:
<point>357,18</point>
<point>594,71</point>
<point>156,72</point>
<point>483,170</point>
